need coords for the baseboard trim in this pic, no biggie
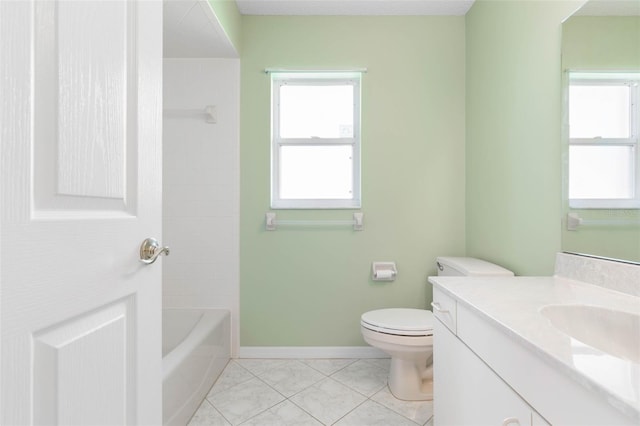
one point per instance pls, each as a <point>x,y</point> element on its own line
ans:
<point>310,352</point>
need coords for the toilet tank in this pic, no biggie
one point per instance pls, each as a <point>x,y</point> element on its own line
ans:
<point>469,266</point>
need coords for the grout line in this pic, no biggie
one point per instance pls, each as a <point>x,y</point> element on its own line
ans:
<point>350,411</point>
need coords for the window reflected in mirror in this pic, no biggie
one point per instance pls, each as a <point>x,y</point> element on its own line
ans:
<point>604,158</point>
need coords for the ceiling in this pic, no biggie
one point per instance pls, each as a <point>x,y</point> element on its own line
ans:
<point>354,7</point>
<point>191,29</point>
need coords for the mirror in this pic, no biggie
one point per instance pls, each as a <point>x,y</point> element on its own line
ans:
<point>602,36</point>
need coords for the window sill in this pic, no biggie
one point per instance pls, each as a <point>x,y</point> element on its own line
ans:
<point>605,204</point>
<point>315,204</point>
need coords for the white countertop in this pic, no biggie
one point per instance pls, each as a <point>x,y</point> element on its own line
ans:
<point>514,303</point>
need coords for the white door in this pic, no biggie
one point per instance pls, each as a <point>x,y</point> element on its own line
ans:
<point>80,189</point>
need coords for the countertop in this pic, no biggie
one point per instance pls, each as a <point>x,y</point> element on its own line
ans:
<point>514,303</point>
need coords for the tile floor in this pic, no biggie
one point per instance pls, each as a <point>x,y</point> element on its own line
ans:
<point>287,392</point>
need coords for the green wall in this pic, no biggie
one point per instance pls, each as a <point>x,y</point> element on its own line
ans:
<point>309,286</point>
<point>513,122</point>
<point>602,43</point>
<point>485,87</point>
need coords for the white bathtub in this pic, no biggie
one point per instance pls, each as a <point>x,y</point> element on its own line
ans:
<point>195,350</point>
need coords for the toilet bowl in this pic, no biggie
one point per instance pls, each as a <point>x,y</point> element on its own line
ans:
<point>406,335</point>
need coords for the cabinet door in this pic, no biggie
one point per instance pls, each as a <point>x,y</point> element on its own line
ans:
<point>467,391</point>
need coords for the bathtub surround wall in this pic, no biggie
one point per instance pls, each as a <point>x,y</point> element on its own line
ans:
<point>513,134</point>
<point>201,186</point>
<point>307,287</point>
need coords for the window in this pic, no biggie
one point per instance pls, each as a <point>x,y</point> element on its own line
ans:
<point>604,157</point>
<point>315,130</point>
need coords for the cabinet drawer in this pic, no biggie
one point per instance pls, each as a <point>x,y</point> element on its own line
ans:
<point>444,309</point>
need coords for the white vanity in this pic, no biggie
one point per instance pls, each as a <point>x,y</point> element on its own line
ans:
<point>539,350</point>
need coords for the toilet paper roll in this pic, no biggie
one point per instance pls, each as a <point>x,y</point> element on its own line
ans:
<point>384,274</point>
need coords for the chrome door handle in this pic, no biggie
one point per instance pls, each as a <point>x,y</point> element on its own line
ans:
<point>150,250</point>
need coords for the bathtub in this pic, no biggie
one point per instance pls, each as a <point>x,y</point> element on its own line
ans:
<point>195,350</point>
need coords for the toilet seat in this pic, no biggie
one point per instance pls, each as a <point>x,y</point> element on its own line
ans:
<point>399,321</point>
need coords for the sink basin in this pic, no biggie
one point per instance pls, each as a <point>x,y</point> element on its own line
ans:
<point>614,332</point>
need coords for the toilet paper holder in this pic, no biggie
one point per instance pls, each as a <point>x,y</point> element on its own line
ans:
<point>383,271</point>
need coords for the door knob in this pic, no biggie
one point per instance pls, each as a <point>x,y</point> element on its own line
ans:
<point>150,250</point>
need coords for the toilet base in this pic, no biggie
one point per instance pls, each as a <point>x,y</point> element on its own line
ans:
<point>411,371</point>
<point>409,381</point>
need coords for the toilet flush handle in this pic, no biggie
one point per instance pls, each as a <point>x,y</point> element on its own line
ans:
<point>437,307</point>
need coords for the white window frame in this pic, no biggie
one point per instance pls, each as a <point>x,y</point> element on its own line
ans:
<point>278,79</point>
<point>614,79</point>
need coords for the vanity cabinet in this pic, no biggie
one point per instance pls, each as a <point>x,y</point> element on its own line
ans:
<point>466,390</point>
<point>485,375</point>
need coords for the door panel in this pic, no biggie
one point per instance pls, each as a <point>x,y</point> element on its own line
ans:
<point>86,360</point>
<point>85,106</point>
<point>80,189</point>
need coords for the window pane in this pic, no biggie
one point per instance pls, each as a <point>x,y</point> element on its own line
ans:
<point>316,111</point>
<point>601,172</point>
<point>599,111</point>
<point>318,172</point>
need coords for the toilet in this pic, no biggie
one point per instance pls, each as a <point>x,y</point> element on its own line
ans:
<point>406,334</point>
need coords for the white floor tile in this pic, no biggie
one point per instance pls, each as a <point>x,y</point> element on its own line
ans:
<point>328,366</point>
<point>281,392</point>
<point>373,414</point>
<point>259,366</point>
<point>245,400</point>
<point>363,376</point>
<point>208,416</point>
<point>291,377</point>
<point>328,400</point>
<point>418,411</point>
<point>285,413</point>
<point>384,363</point>
<point>232,375</point>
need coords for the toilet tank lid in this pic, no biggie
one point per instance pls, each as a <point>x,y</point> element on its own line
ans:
<point>471,266</point>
